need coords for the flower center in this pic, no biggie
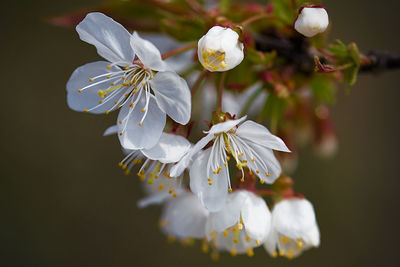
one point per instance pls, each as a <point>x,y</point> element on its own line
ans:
<point>122,85</point>
<point>213,59</point>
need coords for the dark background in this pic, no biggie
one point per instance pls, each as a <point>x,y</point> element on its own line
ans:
<point>64,201</point>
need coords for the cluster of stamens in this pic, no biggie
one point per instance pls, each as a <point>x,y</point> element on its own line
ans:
<point>236,149</point>
<point>213,59</point>
<point>288,247</point>
<point>121,85</point>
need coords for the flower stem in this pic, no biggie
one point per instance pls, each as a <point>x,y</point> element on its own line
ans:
<point>220,91</point>
<point>197,83</point>
<point>257,17</point>
<point>179,50</point>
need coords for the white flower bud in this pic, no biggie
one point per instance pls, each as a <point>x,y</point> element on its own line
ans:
<point>311,21</point>
<point>220,49</point>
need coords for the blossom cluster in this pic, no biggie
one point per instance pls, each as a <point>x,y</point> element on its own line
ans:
<point>210,184</point>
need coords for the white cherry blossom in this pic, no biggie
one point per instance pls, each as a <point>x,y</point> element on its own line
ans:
<point>311,21</point>
<point>220,49</point>
<point>250,145</point>
<point>294,228</point>
<point>134,79</point>
<point>242,224</point>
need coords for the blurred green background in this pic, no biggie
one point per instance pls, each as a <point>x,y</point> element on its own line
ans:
<point>65,202</point>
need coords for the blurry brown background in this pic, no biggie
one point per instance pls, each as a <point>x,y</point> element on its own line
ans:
<point>64,201</point>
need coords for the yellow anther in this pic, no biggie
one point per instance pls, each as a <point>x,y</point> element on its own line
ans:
<point>299,244</point>
<point>290,254</point>
<point>108,76</point>
<point>223,64</point>
<point>204,248</point>
<point>161,187</point>
<point>215,255</point>
<point>123,77</point>
<point>209,179</point>
<point>100,101</point>
<point>140,124</point>
<point>230,190</point>
<point>285,239</point>
<point>274,254</point>
<point>106,112</point>
<point>258,242</point>
<point>125,84</point>
<point>239,226</point>
<point>174,195</point>
<point>210,183</point>
<point>90,79</point>
<point>250,252</point>
<point>115,102</point>
<point>124,166</point>
<point>170,191</point>
<point>250,172</point>
<point>225,163</point>
<point>281,252</point>
<point>212,233</point>
<point>248,239</point>
<point>233,252</point>
<point>127,172</point>
<point>130,105</point>
<point>143,110</point>
<point>120,164</point>
<point>150,181</point>
<point>261,181</point>
<point>253,159</point>
<point>85,110</point>
<point>109,67</point>
<point>126,68</point>
<point>120,133</point>
<point>268,174</point>
<point>226,233</point>
<point>112,84</point>
<point>228,158</point>
<point>120,121</point>
<point>257,171</point>
<point>244,161</point>
<point>240,154</point>
<point>242,180</point>
<point>80,90</point>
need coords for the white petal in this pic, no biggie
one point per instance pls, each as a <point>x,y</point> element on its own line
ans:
<point>271,242</point>
<point>147,53</point>
<point>153,199</point>
<point>186,217</point>
<point>294,218</point>
<point>313,236</point>
<point>178,169</point>
<point>111,130</point>
<point>229,215</point>
<point>256,217</point>
<point>225,126</point>
<point>170,148</point>
<point>147,135</point>
<point>110,38</point>
<point>172,95</point>
<point>260,135</point>
<point>212,196</point>
<point>89,97</point>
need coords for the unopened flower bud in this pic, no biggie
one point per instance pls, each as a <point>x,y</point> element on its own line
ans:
<point>220,49</point>
<point>311,20</point>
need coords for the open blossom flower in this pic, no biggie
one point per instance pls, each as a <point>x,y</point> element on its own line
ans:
<point>134,78</point>
<point>249,144</point>
<point>311,20</point>
<point>242,224</point>
<point>184,217</point>
<point>220,49</point>
<point>294,228</point>
<point>155,165</point>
